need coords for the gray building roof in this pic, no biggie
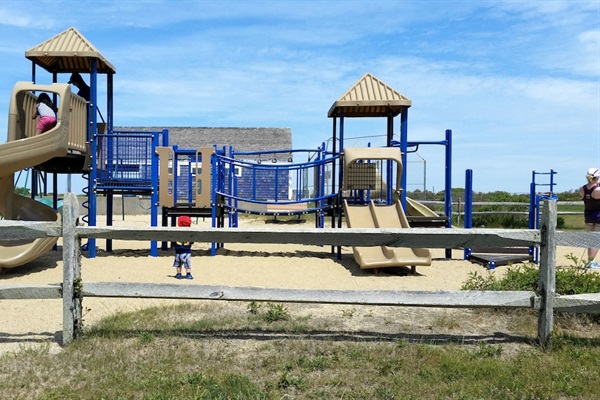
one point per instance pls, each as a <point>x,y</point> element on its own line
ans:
<point>242,139</point>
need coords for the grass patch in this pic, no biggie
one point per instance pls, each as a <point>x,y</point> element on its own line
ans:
<point>263,350</point>
<point>211,351</point>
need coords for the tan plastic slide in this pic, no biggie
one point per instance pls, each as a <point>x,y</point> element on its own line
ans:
<point>24,150</point>
<point>373,257</point>
<point>416,208</point>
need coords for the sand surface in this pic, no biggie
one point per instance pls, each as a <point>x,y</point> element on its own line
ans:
<point>31,322</point>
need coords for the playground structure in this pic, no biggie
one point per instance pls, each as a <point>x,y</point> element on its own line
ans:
<point>206,182</point>
<point>493,257</point>
<point>360,176</point>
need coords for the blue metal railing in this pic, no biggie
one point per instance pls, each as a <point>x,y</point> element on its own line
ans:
<point>254,179</point>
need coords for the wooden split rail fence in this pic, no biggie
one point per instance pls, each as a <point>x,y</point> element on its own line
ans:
<point>72,289</point>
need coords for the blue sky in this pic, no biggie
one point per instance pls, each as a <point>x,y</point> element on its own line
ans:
<point>518,82</point>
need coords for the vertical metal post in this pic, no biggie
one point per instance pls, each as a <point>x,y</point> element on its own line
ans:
<point>390,184</point>
<point>109,102</point>
<point>468,219</point>
<point>110,198</point>
<point>404,150</point>
<point>448,184</point>
<point>333,171</point>
<point>93,139</point>
<point>339,206</point>
<point>154,195</point>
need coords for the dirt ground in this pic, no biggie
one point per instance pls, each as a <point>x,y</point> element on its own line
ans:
<point>29,322</point>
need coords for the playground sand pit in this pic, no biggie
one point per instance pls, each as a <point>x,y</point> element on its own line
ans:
<point>26,323</point>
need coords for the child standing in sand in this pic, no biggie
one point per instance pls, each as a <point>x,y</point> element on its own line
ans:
<point>183,252</point>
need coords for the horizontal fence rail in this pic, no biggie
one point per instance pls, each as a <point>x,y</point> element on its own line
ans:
<point>458,207</point>
<point>415,237</point>
<point>73,290</point>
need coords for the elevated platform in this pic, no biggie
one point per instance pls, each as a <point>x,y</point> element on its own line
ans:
<point>495,257</point>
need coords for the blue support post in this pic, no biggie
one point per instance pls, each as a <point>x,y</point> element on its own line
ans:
<point>448,184</point>
<point>92,138</point>
<point>154,196</point>
<point>404,150</point>
<point>175,174</point>
<point>109,103</point>
<point>165,138</point>
<point>109,216</point>
<point>468,219</point>
<point>390,186</point>
<point>213,191</point>
<point>532,203</point>
<point>320,219</point>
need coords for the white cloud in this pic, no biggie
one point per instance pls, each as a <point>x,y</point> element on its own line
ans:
<point>516,81</point>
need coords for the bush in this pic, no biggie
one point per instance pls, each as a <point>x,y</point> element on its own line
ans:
<point>569,280</point>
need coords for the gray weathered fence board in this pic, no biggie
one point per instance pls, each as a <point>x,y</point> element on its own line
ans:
<point>578,239</point>
<point>28,230</point>
<point>30,292</point>
<point>578,303</point>
<point>470,299</point>
<point>414,237</point>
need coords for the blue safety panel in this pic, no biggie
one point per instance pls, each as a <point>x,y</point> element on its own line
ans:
<point>125,162</point>
<point>185,190</point>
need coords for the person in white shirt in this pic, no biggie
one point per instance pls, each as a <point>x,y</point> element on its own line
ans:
<point>47,113</point>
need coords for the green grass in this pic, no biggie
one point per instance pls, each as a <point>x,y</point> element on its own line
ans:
<point>206,350</point>
<point>573,222</point>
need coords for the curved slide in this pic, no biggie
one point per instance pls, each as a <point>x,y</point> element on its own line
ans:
<point>25,151</point>
<point>14,253</point>
<point>386,216</point>
<point>415,208</point>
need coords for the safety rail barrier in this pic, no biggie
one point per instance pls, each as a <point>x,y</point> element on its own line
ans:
<point>72,290</point>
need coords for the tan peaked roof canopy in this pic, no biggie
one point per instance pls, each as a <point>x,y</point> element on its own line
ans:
<point>369,97</point>
<point>68,51</point>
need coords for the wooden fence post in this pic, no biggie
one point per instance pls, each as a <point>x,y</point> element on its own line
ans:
<point>547,289</point>
<point>72,286</point>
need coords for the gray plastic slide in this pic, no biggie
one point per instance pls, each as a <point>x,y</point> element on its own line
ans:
<point>383,216</point>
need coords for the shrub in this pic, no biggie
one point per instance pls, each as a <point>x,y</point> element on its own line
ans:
<point>569,280</point>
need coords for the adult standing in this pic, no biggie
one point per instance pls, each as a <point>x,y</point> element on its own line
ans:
<point>77,81</point>
<point>590,193</point>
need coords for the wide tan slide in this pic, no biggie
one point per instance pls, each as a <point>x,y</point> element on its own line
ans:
<point>383,216</point>
<point>25,150</point>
